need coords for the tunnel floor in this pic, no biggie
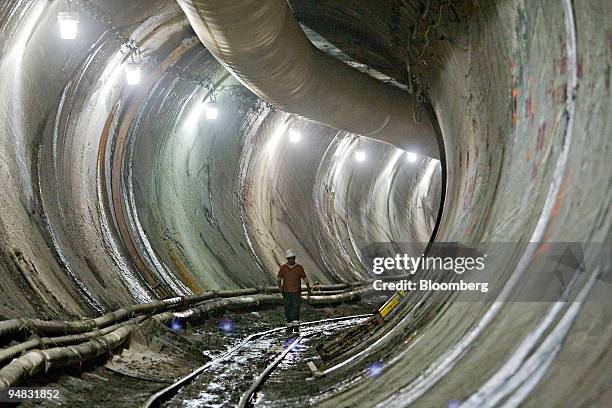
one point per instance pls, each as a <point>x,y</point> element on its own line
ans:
<point>157,356</point>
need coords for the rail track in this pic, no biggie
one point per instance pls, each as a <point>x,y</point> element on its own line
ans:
<point>240,368</point>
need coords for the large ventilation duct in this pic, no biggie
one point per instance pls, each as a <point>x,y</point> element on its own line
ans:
<point>261,44</point>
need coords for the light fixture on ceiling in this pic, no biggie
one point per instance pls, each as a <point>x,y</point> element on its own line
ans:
<point>211,110</point>
<point>133,73</point>
<point>68,24</point>
<point>412,157</point>
<point>360,155</point>
<point>294,136</point>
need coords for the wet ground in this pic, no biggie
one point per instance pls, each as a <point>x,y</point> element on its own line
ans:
<point>292,383</point>
<point>157,356</point>
<point>224,383</point>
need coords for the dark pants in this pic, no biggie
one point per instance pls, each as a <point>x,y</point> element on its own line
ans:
<point>292,306</point>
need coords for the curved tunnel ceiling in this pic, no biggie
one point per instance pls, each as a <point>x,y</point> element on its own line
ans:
<point>114,194</point>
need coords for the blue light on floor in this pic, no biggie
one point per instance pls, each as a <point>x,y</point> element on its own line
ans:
<point>375,368</point>
<point>227,325</point>
<point>454,404</point>
<point>177,324</point>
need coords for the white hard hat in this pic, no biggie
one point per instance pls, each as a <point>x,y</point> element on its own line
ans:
<point>290,254</point>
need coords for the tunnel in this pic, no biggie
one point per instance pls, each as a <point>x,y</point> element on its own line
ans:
<point>148,157</point>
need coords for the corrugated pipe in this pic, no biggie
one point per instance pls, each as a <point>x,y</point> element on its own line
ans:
<point>79,348</point>
<point>25,326</point>
<point>57,327</point>
<point>262,45</point>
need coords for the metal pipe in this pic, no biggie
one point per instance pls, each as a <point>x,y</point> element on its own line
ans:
<point>262,45</point>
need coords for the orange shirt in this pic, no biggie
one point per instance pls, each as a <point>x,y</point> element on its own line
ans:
<point>292,278</point>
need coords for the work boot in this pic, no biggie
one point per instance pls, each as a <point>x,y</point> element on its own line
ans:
<point>289,328</point>
<point>296,326</point>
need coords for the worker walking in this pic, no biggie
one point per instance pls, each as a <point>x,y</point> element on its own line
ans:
<point>290,278</point>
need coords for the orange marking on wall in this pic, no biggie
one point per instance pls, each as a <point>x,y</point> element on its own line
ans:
<point>557,204</point>
<point>183,272</point>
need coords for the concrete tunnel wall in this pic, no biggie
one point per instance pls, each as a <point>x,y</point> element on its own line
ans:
<point>214,204</point>
<point>118,194</point>
<point>229,195</point>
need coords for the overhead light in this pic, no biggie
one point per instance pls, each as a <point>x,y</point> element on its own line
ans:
<point>133,73</point>
<point>360,155</point>
<point>68,24</point>
<point>211,110</point>
<point>294,136</point>
<point>412,157</point>
<point>277,135</point>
